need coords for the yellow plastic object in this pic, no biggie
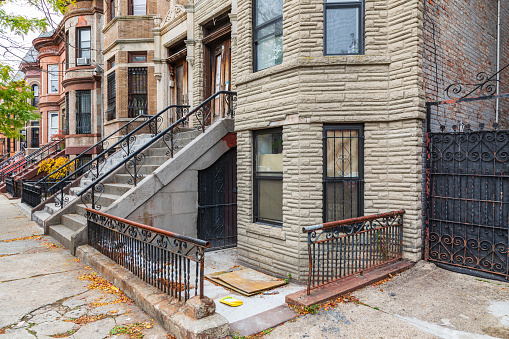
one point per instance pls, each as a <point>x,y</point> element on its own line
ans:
<point>230,301</point>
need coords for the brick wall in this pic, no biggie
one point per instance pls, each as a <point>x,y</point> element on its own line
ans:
<point>459,42</point>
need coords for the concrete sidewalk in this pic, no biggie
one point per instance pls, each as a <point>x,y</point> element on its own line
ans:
<point>423,302</point>
<point>42,295</point>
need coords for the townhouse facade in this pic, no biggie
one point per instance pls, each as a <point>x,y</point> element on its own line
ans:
<point>71,65</point>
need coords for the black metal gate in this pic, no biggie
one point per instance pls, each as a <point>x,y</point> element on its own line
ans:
<point>217,202</point>
<point>468,200</point>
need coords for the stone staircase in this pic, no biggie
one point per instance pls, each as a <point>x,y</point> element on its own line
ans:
<point>68,225</point>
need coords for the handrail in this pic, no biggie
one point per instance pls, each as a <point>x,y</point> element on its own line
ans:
<point>9,160</point>
<point>29,159</point>
<point>91,148</point>
<point>100,157</point>
<point>332,224</point>
<point>199,111</point>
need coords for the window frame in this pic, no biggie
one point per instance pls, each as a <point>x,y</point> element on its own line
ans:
<point>50,125</point>
<point>137,54</point>
<point>131,7</point>
<point>83,128</point>
<point>35,99</point>
<point>111,9</point>
<point>362,23</point>
<point>256,177</point>
<point>53,77</point>
<point>260,27</point>
<point>134,90</point>
<point>359,179</point>
<point>79,50</point>
<point>111,93</point>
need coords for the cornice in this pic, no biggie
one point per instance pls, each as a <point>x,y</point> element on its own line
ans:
<point>127,41</point>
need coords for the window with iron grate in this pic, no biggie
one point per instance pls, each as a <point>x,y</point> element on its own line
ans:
<point>83,112</point>
<point>343,172</point>
<point>137,94</point>
<point>111,112</point>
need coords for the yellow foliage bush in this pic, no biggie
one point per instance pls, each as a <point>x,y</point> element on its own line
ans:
<point>49,166</point>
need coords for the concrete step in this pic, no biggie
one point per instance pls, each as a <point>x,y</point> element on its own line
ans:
<point>74,221</point>
<point>51,208</point>
<point>40,216</point>
<point>116,189</point>
<point>61,234</point>
<point>107,199</point>
<point>80,209</point>
<point>156,160</point>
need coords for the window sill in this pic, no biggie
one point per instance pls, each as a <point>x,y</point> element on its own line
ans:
<point>327,60</point>
<point>265,230</point>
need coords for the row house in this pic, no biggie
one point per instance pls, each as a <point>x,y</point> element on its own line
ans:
<point>70,59</point>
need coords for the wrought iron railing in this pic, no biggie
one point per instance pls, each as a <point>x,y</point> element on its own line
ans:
<point>92,168</point>
<point>135,160</point>
<point>9,186</point>
<point>169,261</point>
<point>39,155</point>
<point>80,162</point>
<point>12,159</point>
<point>339,249</point>
<point>31,193</point>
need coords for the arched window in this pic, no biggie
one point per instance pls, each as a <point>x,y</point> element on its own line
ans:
<point>35,90</point>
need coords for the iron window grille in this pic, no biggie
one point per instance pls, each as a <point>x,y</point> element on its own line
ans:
<point>267,33</point>
<point>137,7</point>
<point>84,38</point>
<point>137,95</point>
<point>268,177</point>
<point>343,29</point>
<point>111,112</point>
<point>66,122</point>
<point>83,112</point>
<point>343,172</point>
<point>52,78</point>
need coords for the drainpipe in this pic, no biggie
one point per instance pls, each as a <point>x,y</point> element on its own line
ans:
<point>498,63</point>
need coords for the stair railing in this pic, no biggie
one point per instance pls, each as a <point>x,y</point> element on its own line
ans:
<point>14,158</point>
<point>32,158</point>
<point>224,103</point>
<point>93,168</point>
<point>40,186</point>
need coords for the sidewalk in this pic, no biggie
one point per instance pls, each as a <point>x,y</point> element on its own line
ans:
<point>423,302</point>
<point>46,293</point>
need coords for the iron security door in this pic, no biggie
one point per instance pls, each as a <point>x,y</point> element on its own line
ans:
<point>468,200</point>
<point>217,202</point>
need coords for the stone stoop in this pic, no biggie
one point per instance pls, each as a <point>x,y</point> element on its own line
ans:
<point>194,319</point>
<point>68,225</point>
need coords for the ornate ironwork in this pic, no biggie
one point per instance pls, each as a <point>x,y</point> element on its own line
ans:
<point>468,201</point>
<point>342,248</point>
<point>91,198</point>
<point>161,258</point>
<point>484,84</point>
<point>31,194</point>
<point>135,159</point>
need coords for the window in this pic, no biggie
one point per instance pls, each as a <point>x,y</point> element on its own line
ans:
<point>268,177</point>
<point>268,33</point>
<point>137,56</point>
<point>35,100</point>
<point>111,63</point>
<point>52,78</point>
<point>111,112</point>
<point>83,36</point>
<point>34,137</point>
<point>138,7</point>
<point>111,9</point>
<point>137,94</point>
<point>67,50</point>
<point>83,112</point>
<point>52,124</point>
<point>66,121</point>
<point>343,172</point>
<point>343,27</point>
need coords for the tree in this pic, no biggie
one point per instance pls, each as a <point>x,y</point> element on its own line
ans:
<point>15,96</point>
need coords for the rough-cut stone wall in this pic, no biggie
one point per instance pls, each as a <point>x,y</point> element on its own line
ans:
<point>460,41</point>
<point>383,90</point>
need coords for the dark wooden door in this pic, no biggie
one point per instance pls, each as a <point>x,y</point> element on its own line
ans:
<point>217,202</point>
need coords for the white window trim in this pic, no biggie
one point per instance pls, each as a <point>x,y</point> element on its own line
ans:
<point>52,77</point>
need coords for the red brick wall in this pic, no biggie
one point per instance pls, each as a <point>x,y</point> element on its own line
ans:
<point>461,37</point>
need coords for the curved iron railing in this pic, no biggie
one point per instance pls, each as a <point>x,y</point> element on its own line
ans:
<point>94,167</point>
<point>32,158</point>
<point>223,102</point>
<point>33,193</point>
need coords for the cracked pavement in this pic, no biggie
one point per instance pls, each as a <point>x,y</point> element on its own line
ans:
<point>41,295</point>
